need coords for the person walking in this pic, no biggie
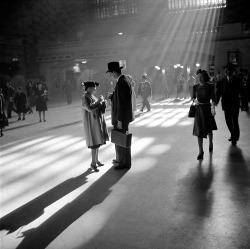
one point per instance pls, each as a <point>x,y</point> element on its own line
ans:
<point>29,91</point>
<point>94,124</point>
<point>10,94</point>
<point>133,85</point>
<point>3,119</point>
<point>228,89</point>
<point>191,82</point>
<point>204,122</point>
<point>21,103</point>
<point>121,112</point>
<point>68,91</point>
<point>145,90</point>
<point>41,98</point>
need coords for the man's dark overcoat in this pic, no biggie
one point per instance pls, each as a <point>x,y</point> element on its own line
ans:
<point>121,102</point>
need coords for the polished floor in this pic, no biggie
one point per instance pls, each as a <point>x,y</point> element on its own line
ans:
<point>50,198</point>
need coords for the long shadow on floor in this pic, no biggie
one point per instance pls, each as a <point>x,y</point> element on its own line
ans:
<point>35,208</point>
<point>43,235</point>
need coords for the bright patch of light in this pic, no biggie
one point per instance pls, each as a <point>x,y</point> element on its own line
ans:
<point>157,67</point>
<point>143,164</point>
<point>158,149</point>
<point>185,123</point>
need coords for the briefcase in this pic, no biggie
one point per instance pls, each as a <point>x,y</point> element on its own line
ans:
<point>120,138</point>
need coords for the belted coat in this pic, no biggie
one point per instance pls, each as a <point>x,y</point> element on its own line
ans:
<point>95,129</point>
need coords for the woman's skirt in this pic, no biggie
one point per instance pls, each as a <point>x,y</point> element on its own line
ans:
<point>204,122</point>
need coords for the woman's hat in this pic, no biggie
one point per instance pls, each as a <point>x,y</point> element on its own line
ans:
<point>90,84</point>
<point>113,66</point>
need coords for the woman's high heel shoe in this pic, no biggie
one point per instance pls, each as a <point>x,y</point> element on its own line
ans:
<point>94,167</point>
<point>200,156</point>
<point>99,163</point>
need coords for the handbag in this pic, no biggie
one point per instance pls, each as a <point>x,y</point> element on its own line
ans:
<point>120,138</point>
<point>191,113</point>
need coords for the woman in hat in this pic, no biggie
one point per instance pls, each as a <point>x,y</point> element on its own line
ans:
<point>41,98</point>
<point>94,124</point>
<point>204,122</point>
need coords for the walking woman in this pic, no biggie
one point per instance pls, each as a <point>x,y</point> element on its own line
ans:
<point>94,124</point>
<point>41,98</point>
<point>204,122</point>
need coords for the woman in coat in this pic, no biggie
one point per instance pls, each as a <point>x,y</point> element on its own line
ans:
<point>21,103</point>
<point>204,122</point>
<point>41,98</point>
<point>133,84</point>
<point>94,124</point>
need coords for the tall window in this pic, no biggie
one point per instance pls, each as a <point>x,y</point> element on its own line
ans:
<point>112,8</point>
<point>176,5</point>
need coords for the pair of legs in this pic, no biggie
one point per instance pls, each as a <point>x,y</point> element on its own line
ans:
<point>40,114</point>
<point>123,155</point>
<point>200,144</point>
<point>145,102</point>
<point>232,116</point>
<point>20,114</point>
<point>95,161</point>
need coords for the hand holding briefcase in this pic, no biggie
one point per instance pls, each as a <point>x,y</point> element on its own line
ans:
<point>120,138</point>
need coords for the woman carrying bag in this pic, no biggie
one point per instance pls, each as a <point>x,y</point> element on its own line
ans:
<point>94,124</point>
<point>204,122</point>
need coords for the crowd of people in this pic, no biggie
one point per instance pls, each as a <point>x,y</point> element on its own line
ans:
<point>232,89</point>
<point>205,93</point>
<point>21,102</point>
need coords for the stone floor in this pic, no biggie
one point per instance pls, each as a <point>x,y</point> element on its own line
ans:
<point>50,198</point>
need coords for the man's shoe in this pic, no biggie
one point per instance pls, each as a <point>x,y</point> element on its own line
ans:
<point>230,139</point>
<point>114,161</point>
<point>23,118</point>
<point>18,119</point>
<point>234,143</point>
<point>121,166</point>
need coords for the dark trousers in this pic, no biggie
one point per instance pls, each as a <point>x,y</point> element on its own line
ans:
<point>244,99</point>
<point>9,109</point>
<point>145,103</point>
<point>123,154</point>
<point>232,116</point>
<point>69,99</point>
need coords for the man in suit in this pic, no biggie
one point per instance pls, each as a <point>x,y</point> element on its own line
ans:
<point>121,112</point>
<point>145,91</point>
<point>228,89</point>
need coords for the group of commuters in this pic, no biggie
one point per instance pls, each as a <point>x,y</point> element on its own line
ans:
<point>206,96</point>
<point>21,101</point>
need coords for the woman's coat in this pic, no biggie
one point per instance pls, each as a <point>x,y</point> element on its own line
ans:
<point>95,129</point>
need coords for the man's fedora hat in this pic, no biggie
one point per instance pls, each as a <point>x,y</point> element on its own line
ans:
<point>90,84</point>
<point>113,66</point>
<point>230,66</point>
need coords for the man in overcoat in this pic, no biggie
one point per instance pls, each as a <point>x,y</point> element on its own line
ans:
<point>228,89</point>
<point>121,112</point>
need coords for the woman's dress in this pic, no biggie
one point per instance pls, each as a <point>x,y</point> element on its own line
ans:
<point>204,122</point>
<point>95,129</point>
<point>41,104</point>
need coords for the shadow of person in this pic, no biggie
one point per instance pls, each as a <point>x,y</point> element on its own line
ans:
<point>238,175</point>
<point>35,208</point>
<point>196,196</point>
<point>43,235</point>
<point>202,189</point>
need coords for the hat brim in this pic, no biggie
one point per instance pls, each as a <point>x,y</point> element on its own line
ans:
<point>113,70</point>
